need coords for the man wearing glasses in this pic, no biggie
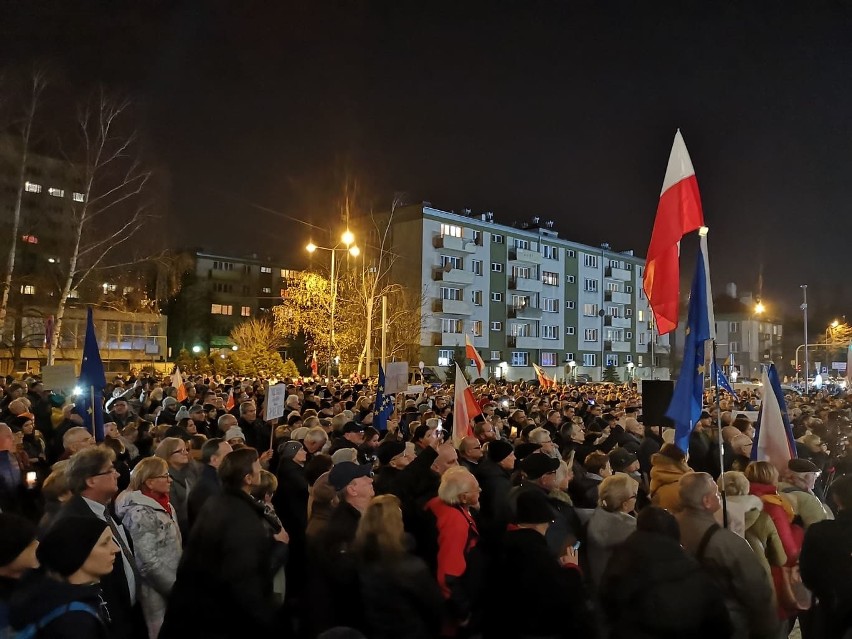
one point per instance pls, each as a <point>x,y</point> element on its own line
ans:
<point>94,482</point>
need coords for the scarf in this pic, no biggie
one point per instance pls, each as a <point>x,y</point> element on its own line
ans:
<point>160,498</point>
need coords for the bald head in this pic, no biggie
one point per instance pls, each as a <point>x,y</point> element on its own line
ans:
<point>7,441</point>
<point>470,448</point>
<point>447,458</point>
<point>699,492</point>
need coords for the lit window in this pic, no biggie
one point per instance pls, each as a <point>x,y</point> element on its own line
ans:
<point>126,290</point>
<point>108,288</point>
<point>29,239</point>
<point>612,360</point>
<point>28,289</point>
<point>265,269</point>
<point>548,359</point>
<point>640,316</point>
<point>452,231</point>
<point>78,197</point>
<point>266,289</point>
<point>445,357</point>
<point>32,187</point>
<point>520,358</point>
<point>590,310</point>
<point>590,359</point>
<point>477,328</point>
<point>451,325</point>
<point>56,192</point>
<point>245,311</point>
<point>73,294</point>
<point>551,279</point>
<point>221,309</point>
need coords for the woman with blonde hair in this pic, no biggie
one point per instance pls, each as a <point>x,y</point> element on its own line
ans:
<point>175,452</point>
<point>611,522</point>
<point>400,596</point>
<point>147,514</point>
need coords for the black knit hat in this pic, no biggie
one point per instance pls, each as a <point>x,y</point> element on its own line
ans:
<point>537,465</point>
<point>499,450</point>
<point>16,533</point>
<point>532,508</point>
<point>388,450</point>
<point>67,545</point>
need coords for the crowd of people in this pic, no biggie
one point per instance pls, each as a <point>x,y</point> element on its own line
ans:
<point>563,512</point>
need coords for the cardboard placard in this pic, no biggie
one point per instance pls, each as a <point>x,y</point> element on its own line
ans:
<point>275,398</point>
<point>396,377</point>
<point>59,377</point>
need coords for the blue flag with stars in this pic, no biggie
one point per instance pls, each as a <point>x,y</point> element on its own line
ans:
<point>685,407</point>
<point>722,381</point>
<point>92,380</point>
<point>384,404</point>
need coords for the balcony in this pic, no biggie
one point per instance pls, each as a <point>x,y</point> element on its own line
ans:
<point>449,243</point>
<point>617,274</point>
<point>452,307</point>
<point>616,322</point>
<point>525,256</point>
<point>453,276</point>
<point>617,297</point>
<point>522,341</point>
<point>524,312</point>
<point>525,284</point>
<point>452,339</point>
<point>617,347</point>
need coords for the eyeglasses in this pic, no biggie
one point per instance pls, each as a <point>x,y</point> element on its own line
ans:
<point>183,451</point>
<point>166,476</point>
<point>106,472</point>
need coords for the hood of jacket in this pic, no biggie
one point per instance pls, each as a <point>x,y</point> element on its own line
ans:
<point>745,503</point>
<point>132,499</point>
<point>665,470</point>
<point>39,594</point>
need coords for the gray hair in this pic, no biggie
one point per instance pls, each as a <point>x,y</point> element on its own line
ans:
<point>454,483</point>
<point>693,488</point>
<point>316,434</point>
<point>539,435</point>
<point>226,421</point>
<point>85,464</point>
<point>71,434</point>
<point>734,483</point>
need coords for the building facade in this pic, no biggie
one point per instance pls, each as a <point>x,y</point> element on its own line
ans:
<point>525,296</point>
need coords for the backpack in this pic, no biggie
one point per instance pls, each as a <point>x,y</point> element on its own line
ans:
<point>32,630</point>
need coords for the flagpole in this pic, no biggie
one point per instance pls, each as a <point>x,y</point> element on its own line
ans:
<point>721,444</point>
<point>92,404</point>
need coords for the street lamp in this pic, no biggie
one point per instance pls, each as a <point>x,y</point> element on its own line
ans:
<point>573,366</point>
<point>630,370</point>
<point>349,240</point>
<point>196,349</point>
<point>804,308</point>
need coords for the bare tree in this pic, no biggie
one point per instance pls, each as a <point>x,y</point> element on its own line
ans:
<point>109,211</point>
<point>38,81</point>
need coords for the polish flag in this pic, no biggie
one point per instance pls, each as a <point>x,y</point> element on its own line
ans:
<point>229,403</point>
<point>465,408</point>
<point>543,380</point>
<point>678,213</point>
<point>177,382</point>
<point>473,354</point>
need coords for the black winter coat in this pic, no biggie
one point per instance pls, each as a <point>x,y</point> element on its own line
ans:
<point>291,504</point>
<point>526,565</point>
<point>207,486</point>
<point>230,552</point>
<point>495,510</point>
<point>401,599</point>
<point>826,566</point>
<point>653,589</point>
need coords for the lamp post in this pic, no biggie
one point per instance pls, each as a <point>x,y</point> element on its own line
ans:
<point>347,239</point>
<point>804,308</point>
<point>754,353</point>
<point>573,366</point>
<point>829,340</point>
<point>601,314</point>
<point>630,371</point>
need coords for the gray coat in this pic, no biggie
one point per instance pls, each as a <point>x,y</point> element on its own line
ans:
<point>731,562</point>
<point>157,549</point>
<point>605,531</point>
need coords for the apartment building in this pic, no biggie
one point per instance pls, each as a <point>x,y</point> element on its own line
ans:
<point>525,296</point>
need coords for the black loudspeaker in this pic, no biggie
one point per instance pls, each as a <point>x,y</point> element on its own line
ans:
<point>656,397</point>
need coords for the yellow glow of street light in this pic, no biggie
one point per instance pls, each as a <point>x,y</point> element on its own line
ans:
<point>311,247</point>
<point>835,324</point>
<point>354,251</point>
<point>347,237</point>
<point>759,308</point>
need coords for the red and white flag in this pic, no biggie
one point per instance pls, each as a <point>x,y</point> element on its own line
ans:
<point>678,213</point>
<point>465,408</point>
<point>473,354</point>
<point>177,382</point>
<point>543,380</point>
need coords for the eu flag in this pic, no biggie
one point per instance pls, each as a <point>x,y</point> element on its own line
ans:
<point>384,404</point>
<point>92,381</point>
<point>722,381</point>
<point>685,407</point>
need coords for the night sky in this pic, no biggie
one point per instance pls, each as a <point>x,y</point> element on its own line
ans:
<point>565,110</point>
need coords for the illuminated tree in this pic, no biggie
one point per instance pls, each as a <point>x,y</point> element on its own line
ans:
<point>257,349</point>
